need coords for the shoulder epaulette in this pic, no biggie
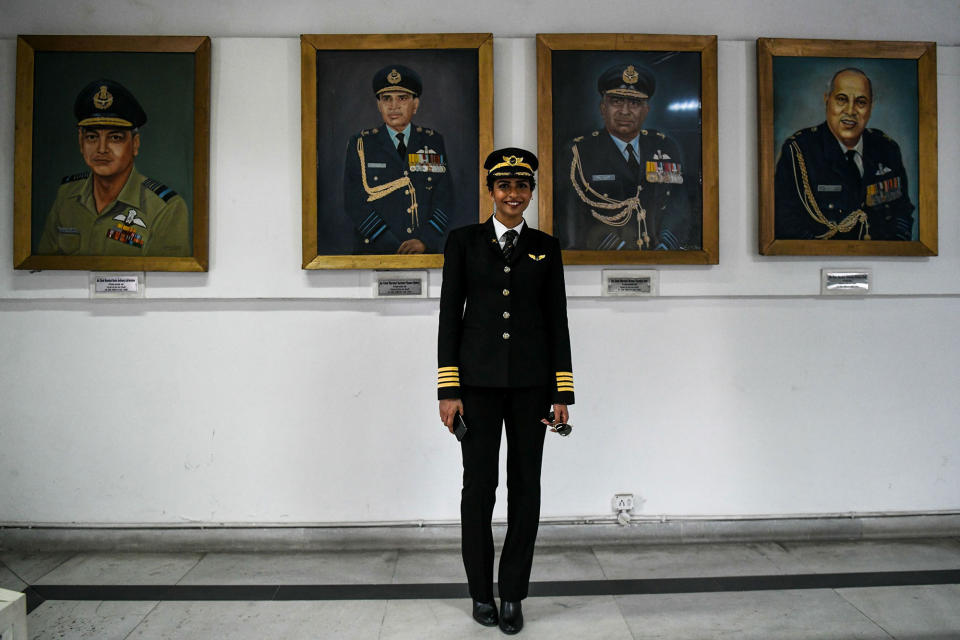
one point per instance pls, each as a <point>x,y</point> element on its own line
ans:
<point>878,132</point>
<point>162,190</point>
<point>75,177</point>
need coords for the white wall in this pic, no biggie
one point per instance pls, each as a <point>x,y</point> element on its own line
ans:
<point>258,392</point>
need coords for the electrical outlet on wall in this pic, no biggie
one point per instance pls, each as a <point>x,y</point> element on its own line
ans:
<point>623,502</point>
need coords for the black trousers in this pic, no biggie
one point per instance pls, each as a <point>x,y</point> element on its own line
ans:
<point>485,410</point>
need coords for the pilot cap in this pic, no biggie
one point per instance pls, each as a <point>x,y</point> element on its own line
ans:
<point>396,77</point>
<point>510,162</point>
<point>627,80</point>
<point>107,103</point>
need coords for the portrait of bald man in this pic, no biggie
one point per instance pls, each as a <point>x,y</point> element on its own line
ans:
<point>842,179</point>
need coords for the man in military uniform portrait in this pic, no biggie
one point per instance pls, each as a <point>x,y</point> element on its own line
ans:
<point>623,187</point>
<point>840,180</point>
<point>397,186</point>
<point>112,209</point>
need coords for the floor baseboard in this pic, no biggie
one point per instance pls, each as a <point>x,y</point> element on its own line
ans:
<point>439,535</point>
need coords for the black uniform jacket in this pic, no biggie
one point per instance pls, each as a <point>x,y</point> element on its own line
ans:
<point>386,217</point>
<point>837,189</point>
<point>603,177</point>
<point>513,330</point>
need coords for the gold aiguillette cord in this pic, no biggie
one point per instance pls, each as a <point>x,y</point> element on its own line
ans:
<point>383,190</point>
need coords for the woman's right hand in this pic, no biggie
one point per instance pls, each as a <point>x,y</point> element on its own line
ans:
<point>449,408</point>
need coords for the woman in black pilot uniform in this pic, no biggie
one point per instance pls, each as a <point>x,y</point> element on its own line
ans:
<point>503,359</point>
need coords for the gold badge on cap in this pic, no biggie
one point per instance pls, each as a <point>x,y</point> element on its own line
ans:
<point>511,160</point>
<point>102,99</point>
<point>394,77</point>
<point>630,75</point>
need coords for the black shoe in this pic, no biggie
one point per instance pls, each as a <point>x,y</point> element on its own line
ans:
<point>511,617</point>
<point>485,613</point>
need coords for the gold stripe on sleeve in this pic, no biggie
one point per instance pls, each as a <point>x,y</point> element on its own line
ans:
<point>448,377</point>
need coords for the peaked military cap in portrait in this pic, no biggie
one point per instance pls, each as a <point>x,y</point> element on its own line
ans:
<point>396,77</point>
<point>510,162</point>
<point>627,80</point>
<point>107,103</point>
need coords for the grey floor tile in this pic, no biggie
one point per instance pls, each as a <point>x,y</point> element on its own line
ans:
<point>917,613</point>
<point>566,563</point>
<point>689,561</point>
<point>431,620</point>
<point>260,620</point>
<point>928,612</point>
<point>759,615</point>
<point>872,555</point>
<point>122,568</point>
<point>30,567</point>
<point>434,565</point>
<point>343,567</point>
<point>9,580</point>
<point>548,618</point>
<point>589,617</point>
<point>61,620</point>
<point>549,564</point>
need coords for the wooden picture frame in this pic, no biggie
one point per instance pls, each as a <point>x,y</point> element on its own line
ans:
<point>339,109</point>
<point>811,202</point>
<point>600,226</point>
<point>51,73</point>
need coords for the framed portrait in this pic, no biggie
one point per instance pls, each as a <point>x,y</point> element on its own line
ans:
<point>395,129</point>
<point>848,147</point>
<point>112,153</point>
<point>628,147</point>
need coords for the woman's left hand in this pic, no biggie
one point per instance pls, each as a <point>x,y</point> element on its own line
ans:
<point>560,414</point>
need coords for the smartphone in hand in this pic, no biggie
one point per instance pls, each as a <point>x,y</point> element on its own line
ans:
<point>459,427</point>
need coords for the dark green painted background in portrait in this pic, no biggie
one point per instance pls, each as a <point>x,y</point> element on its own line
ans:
<point>163,85</point>
<point>799,84</point>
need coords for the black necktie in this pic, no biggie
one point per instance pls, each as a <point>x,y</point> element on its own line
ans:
<point>632,161</point>
<point>508,244</point>
<point>401,147</point>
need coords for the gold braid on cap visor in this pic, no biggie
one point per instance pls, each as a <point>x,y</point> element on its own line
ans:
<point>626,93</point>
<point>511,161</point>
<point>396,88</point>
<point>105,121</point>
